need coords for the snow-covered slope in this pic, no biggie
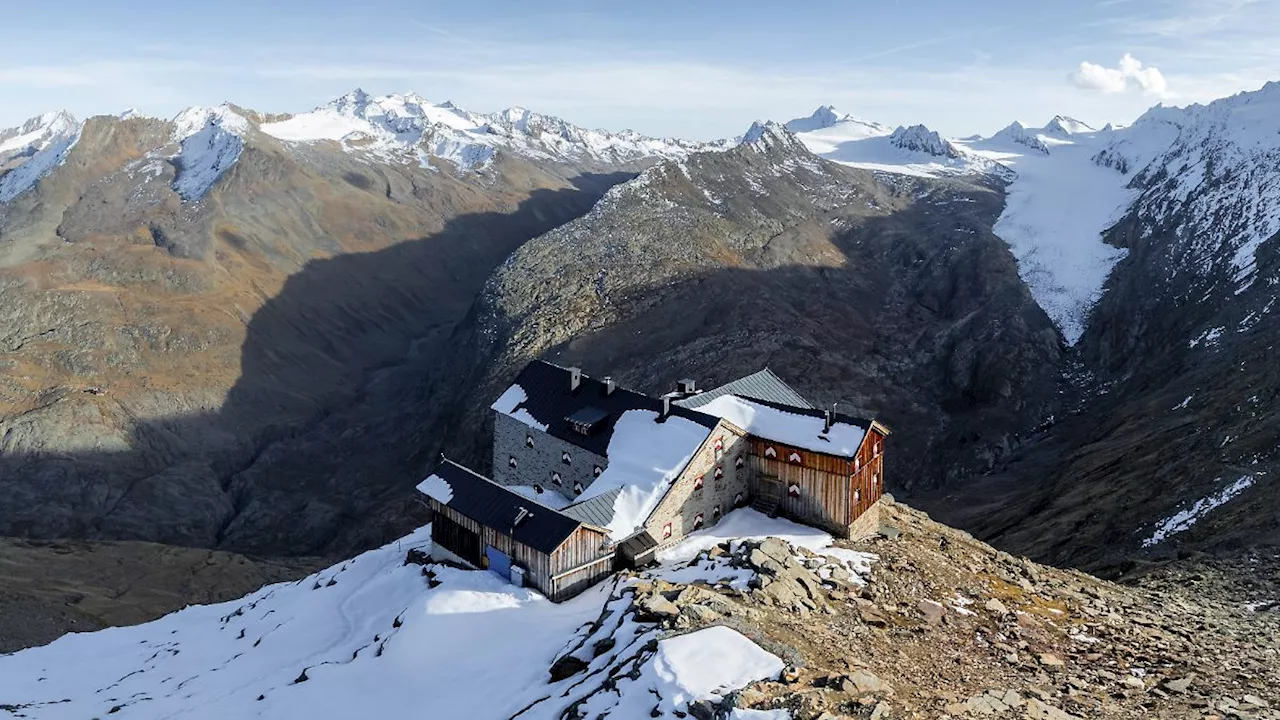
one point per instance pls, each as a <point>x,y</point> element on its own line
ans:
<point>399,127</point>
<point>1058,204</point>
<point>914,150</point>
<point>374,637</point>
<point>1212,171</point>
<point>32,150</point>
<point>211,140</point>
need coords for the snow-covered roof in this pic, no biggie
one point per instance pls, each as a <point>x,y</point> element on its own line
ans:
<point>798,427</point>
<point>645,458</point>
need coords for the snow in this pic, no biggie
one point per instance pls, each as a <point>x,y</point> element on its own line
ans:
<point>645,458</point>
<point>800,431</point>
<point>437,488</point>
<point>1185,402</point>
<point>745,524</point>
<point>45,141</point>
<point>872,146</point>
<point>749,714</point>
<point>1056,208</point>
<point>709,663</point>
<point>553,500</point>
<point>511,399</point>
<point>1184,519</point>
<point>371,637</point>
<point>211,141</point>
<point>409,128</point>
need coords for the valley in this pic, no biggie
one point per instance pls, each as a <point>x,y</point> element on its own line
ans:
<point>251,333</point>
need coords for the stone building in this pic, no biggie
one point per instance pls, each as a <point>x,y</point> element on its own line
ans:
<point>647,471</point>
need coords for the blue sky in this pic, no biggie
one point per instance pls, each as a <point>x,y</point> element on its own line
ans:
<point>694,69</point>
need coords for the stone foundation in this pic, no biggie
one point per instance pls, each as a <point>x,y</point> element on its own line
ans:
<point>867,524</point>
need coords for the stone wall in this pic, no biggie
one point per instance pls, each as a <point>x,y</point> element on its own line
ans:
<point>535,465</point>
<point>686,501</point>
<point>866,524</point>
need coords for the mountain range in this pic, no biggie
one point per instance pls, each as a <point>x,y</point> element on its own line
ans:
<point>253,332</point>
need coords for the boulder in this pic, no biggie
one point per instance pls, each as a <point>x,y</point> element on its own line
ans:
<point>865,681</point>
<point>996,607</point>
<point>933,611</point>
<point>655,608</point>
<point>566,666</point>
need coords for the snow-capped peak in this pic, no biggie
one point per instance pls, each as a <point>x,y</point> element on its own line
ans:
<point>1016,132</point>
<point>828,117</point>
<point>33,149</point>
<point>211,140</point>
<point>1064,126</point>
<point>407,127</point>
<point>764,136</point>
<point>921,139</point>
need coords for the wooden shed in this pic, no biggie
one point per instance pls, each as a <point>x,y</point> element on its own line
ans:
<point>489,526</point>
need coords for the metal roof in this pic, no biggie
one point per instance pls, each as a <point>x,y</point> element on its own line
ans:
<point>595,511</point>
<point>494,506</point>
<point>763,385</point>
<point>549,401</point>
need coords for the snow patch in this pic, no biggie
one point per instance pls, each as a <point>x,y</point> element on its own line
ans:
<point>1184,519</point>
<point>509,404</point>
<point>31,151</point>
<point>437,488</point>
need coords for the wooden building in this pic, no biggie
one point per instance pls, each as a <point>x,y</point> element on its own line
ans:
<point>488,526</point>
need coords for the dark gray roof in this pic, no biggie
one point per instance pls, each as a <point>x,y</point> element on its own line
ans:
<point>550,402</point>
<point>493,505</point>
<point>595,511</point>
<point>763,385</point>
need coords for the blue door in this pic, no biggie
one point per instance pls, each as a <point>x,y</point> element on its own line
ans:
<point>499,562</point>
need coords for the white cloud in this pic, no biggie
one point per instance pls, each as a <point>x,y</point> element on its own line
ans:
<point>1129,76</point>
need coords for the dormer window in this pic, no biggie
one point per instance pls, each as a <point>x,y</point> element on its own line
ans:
<point>528,441</point>
<point>566,458</point>
<point>586,420</point>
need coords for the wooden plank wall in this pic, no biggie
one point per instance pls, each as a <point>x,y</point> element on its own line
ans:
<point>584,546</point>
<point>827,482</point>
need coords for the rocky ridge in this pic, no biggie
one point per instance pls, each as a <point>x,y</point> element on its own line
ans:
<point>939,625</point>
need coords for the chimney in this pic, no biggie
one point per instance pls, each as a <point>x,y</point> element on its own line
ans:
<point>686,387</point>
<point>666,408</point>
<point>827,417</point>
<point>607,386</point>
<point>575,378</point>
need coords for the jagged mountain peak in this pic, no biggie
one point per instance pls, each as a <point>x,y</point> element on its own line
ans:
<point>921,139</point>
<point>33,149</point>
<point>769,134</point>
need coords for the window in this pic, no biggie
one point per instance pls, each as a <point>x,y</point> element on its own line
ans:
<point>537,489</point>
<point>737,499</point>
<point>793,490</point>
<point>528,441</point>
<point>577,488</point>
<point>511,462</point>
<point>857,463</point>
<point>555,478</point>
<point>719,472</point>
<point>697,483</point>
<point>566,458</point>
<point>666,531</point>
<point>738,462</point>
<point>596,470</point>
<point>857,495</point>
<point>770,452</point>
<point>697,521</point>
<point>879,447</point>
<point>875,478</point>
<point>715,513</point>
<point>719,447</point>
<point>794,457</point>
